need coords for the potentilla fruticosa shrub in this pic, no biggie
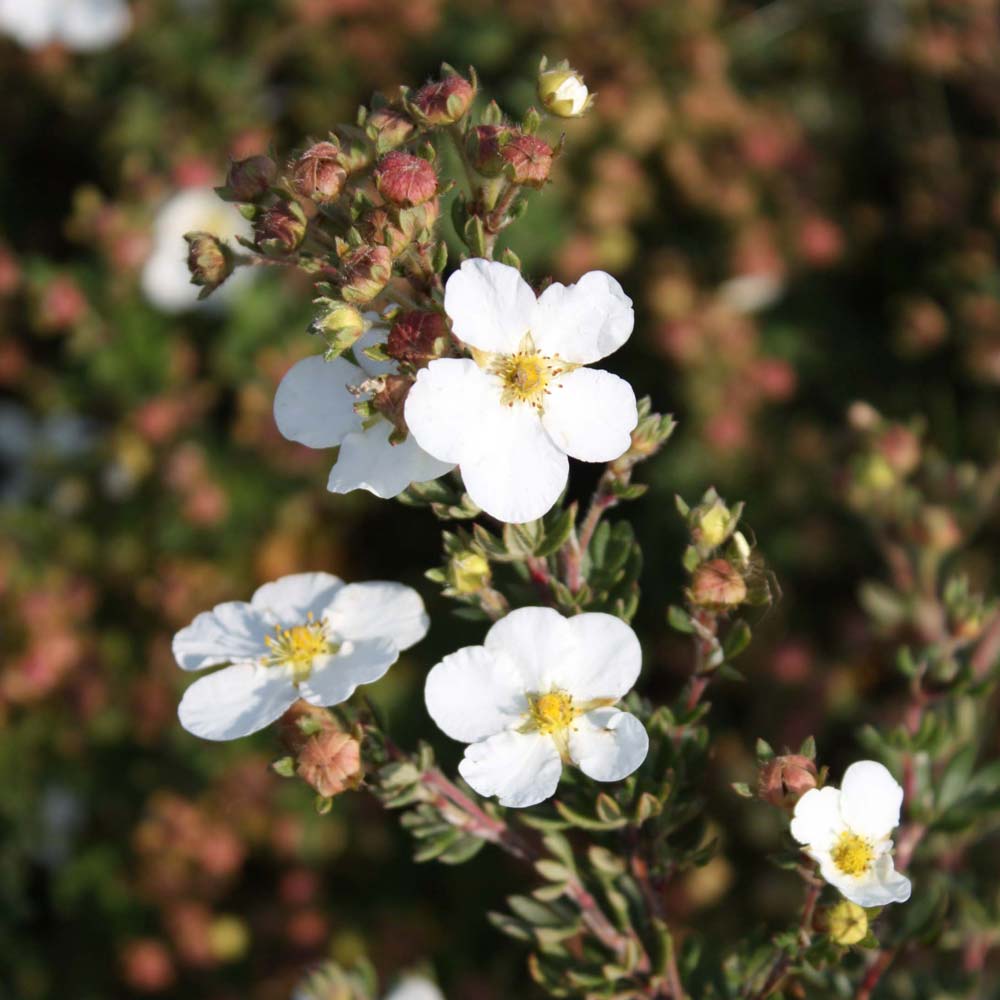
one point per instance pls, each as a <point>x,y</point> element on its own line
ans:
<point>445,378</point>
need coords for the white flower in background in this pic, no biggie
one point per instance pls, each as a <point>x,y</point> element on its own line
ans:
<point>83,25</point>
<point>308,636</point>
<point>539,693</point>
<point>314,406</point>
<point>166,280</point>
<point>848,831</point>
<point>414,988</point>
<point>510,418</point>
<point>563,92</point>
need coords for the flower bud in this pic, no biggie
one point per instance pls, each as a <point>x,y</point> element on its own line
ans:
<point>340,325</point>
<point>718,584</point>
<point>209,260</point>
<point>527,159</point>
<point>938,529</point>
<point>388,128</point>
<point>300,722</point>
<point>846,923</point>
<point>391,399</point>
<point>420,219</point>
<point>484,144</point>
<point>563,93</point>
<point>248,179</point>
<point>900,447</point>
<point>418,337</point>
<point>318,173</point>
<point>379,226</point>
<point>356,152</point>
<point>713,526</point>
<point>784,780</point>
<point>443,102</point>
<point>404,179</point>
<point>365,271</point>
<point>280,229</point>
<point>468,572</point>
<point>330,761</point>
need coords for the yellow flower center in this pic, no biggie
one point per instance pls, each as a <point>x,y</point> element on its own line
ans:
<point>297,647</point>
<point>552,712</point>
<point>852,854</point>
<point>525,375</point>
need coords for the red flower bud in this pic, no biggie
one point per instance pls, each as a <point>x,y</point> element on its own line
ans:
<point>484,144</point>
<point>280,229</point>
<point>784,780</point>
<point>718,584</point>
<point>330,761</point>
<point>318,173</point>
<point>443,102</point>
<point>418,337</point>
<point>365,271</point>
<point>209,261</point>
<point>528,160</point>
<point>388,128</point>
<point>404,179</point>
<point>380,227</point>
<point>248,179</point>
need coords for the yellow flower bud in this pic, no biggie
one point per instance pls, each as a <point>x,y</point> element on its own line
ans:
<point>847,923</point>
<point>563,92</point>
<point>713,526</point>
<point>468,572</point>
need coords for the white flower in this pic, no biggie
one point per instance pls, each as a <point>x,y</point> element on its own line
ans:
<point>510,417</point>
<point>314,406</point>
<point>83,25</point>
<point>307,636</point>
<point>414,988</point>
<point>166,280</point>
<point>538,693</point>
<point>563,92</point>
<point>848,830</point>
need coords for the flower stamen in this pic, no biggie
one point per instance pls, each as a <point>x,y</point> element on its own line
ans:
<point>552,712</point>
<point>298,646</point>
<point>852,854</point>
<point>525,375</point>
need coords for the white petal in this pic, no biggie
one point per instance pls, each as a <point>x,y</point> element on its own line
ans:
<point>312,404</point>
<point>334,678</point>
<point>415,988</point>
<point>229,633</point>
<point>870,799</point>
<point>607,660</point>
<point>379,609</point>
<point>512,469</point>
<point>608,745</point>
<point>368,461</point>
<point>490,305</point>
<point>521,769</point>
<point>444,406</point>
<point>31,23</point>
<point>537,641</point>
<point>236,701</point>
<point>583,322</point>
<point>473,694</point>
<point>377,333</point>
<point>291,599</point>
<point>591,414</point>
<point>88,25</point>
<point>816,820</point>
<point>879,886</point>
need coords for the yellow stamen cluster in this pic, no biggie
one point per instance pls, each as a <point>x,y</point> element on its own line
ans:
<point>552,712</point>
<point>525,375</point>
<point>298,646</point>
<point>852,854</point>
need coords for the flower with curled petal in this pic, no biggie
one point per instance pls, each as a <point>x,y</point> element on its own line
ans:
<point>540,692</point>
<point>308,636</point>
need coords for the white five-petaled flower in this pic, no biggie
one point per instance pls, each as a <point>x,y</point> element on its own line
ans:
<point>314,405</point>
<point>539,692</point>
<point>510,417</point>
<point>848,831</point>
<point>308,636</point>
<point>82,25</point>
<point>166,280</point>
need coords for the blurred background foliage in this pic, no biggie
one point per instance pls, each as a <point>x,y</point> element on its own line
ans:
<point>803,199</point>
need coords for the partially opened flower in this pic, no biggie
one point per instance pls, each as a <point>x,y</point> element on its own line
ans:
<point>82,25</point>
<point>166,280</point>
<point>848,831</point>
<point>510,417</point>
<point>308,636</point>
<point>540,692</point>
<point>315,406</point>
